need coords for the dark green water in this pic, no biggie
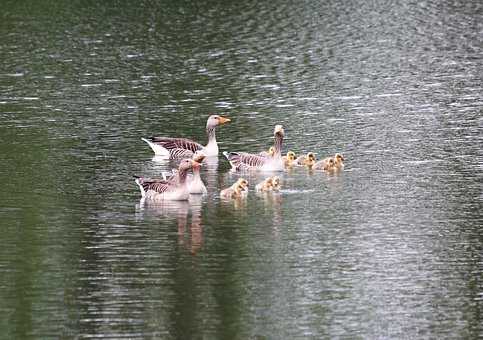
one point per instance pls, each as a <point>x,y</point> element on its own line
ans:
<point>391,248</point>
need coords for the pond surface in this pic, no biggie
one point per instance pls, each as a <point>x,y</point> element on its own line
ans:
<point>390,248</point>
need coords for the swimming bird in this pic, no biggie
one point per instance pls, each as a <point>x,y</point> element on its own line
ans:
<point>276,185</point>
<point>269,153</point>
<point>330,163</point>
<point>339,161</point>
<point>241,161</point>
<point>289,159</point>
<point>183,147</point>
<point>307,160</point>
<point>327,164</point>
<point>195,184</point>
<point>269,184</point>
<point>235,190</point>
<point>175,188</point>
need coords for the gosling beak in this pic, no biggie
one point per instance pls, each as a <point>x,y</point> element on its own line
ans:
<point>224,120</point>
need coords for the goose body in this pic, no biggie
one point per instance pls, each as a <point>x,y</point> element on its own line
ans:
<point>176,148</point>
<point>242,161</point>
<point>174,188</point>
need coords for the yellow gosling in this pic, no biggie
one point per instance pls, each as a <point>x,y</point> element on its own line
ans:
<point>339,161</point>
<point>289,159</point>
<point>307,160</point>
<point>265,185</point>
<point>276,185</point>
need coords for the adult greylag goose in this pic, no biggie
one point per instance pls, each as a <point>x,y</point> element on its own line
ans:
<point>183,147</point>
<point>175,188</point>
<point>307,160</point>
<point>241,161</point>
<point>236,190</point>
<point>289,159</point>
<point>195,183</point>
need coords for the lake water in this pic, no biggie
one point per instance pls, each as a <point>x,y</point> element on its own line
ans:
<point>390,248</point>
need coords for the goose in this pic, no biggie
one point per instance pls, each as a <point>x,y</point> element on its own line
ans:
<point>244,184</point>
<point>307,160</point>
<point>195,184</point>
<point>276,186</point>
<point>339,161</point>
<point>241,161</point>
<point>175,188</point>
<point>268,153</point>
<point>330,163</point>
<point>327,164</point>
<point>235,191</point>
<point>269,184</point>
<point>185,148</point>
<point>289,159</point>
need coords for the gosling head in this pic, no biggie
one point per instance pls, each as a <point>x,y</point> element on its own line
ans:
<point>291,156</point>
<point>271,151</point>
<point>276,182</point>
<point>243,183</point>
<point>339,158</point>
<point>310,159</point>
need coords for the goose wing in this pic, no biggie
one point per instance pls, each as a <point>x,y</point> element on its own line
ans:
<point>244,160</point>
<point>154,184</point>
<point>177,144</point>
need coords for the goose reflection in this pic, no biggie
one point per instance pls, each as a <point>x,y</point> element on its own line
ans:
<point>272,203</point>
<point>190,235</point>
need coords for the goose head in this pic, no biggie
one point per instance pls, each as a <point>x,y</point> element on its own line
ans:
<point>339,158</point>
<point>271,151</point>
<point>187,164</point>
<point>215,120</point>
<point>291,156</point>
<point>276,183</point>
<point>310,159</point>
<point>279,131</point>
<point>243,183</point>
<point>199,156</point>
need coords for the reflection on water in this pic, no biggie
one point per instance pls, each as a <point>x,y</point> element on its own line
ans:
<point>190,233</point>
<point>388,248</point>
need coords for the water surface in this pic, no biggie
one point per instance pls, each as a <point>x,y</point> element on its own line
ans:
<point>389,248</point>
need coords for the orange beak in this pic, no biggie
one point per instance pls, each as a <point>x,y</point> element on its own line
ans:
<point>224,120</point>
<point>195,164</point>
